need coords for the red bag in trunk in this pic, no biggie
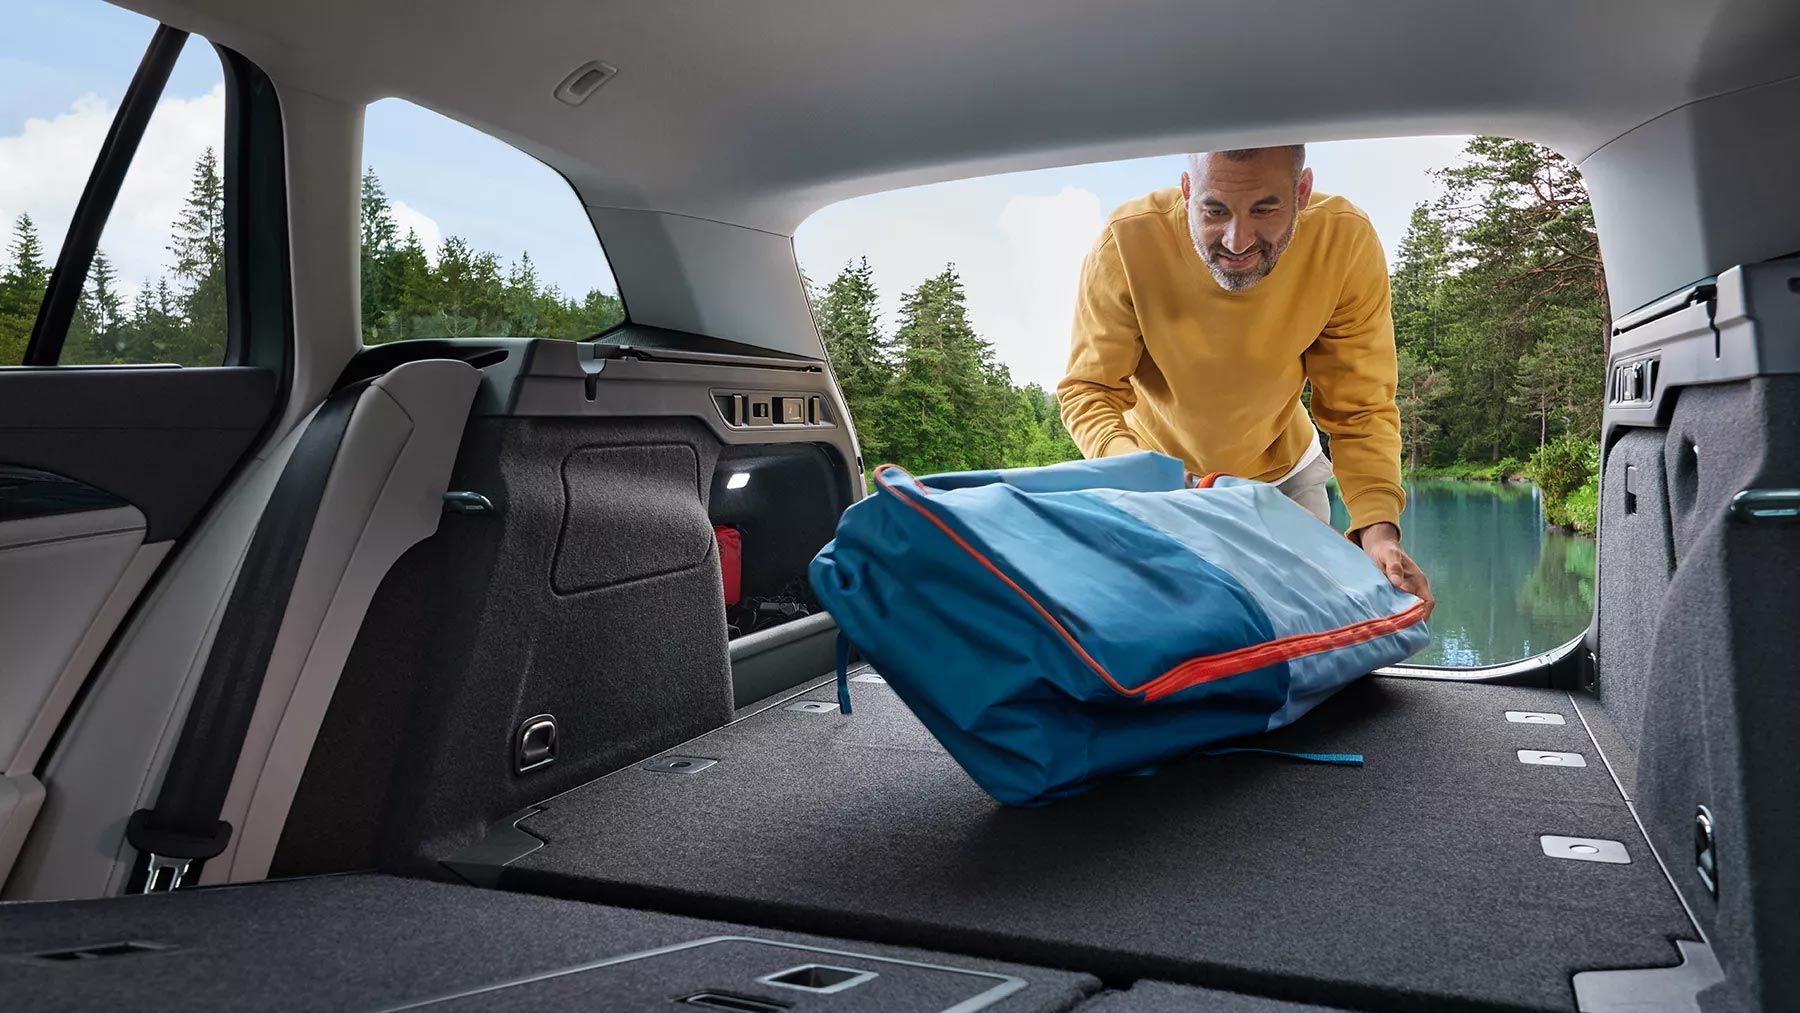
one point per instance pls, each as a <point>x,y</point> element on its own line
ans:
<point>731,555</point>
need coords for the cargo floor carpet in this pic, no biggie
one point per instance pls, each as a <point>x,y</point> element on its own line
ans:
<point>366,942</point>
<point>1416,881</point>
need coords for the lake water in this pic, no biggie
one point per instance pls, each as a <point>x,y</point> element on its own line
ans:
<point>1507,587</point>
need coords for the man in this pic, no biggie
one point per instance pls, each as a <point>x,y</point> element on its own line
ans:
<point>1203,310</point>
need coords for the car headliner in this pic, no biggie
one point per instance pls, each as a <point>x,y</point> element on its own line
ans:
<point>759,113</point>
<point>730,122</point>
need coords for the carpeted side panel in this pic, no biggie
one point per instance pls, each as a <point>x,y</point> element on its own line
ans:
<point>591,593</point>
<point>371,942</point>
<point>1723,693</point>
<point>1414,881</point>
<point>1637,559</point>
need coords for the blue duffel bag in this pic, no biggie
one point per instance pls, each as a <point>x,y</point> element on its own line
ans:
<point>1054,626</point>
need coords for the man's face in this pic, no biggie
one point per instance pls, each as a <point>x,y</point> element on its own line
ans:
<point>1242,215</point>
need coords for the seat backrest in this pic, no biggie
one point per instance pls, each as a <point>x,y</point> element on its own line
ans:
<point>384,493</point>
<point>589,597</point>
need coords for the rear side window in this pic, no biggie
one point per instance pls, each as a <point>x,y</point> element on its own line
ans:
<point>155,290</point>
<point>465,236</point>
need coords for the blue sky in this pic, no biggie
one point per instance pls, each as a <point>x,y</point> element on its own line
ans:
<point>1017,240</point>
<point>64,69</point>
<point>56,51</point>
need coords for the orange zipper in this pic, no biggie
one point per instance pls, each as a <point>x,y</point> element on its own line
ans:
<point>1195,671</point>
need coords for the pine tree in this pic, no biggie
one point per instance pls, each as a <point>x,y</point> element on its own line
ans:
<point>21,290</point>
<point>156,325</point>
<point>199,248</point>
<point>95,334</point>
<point>848,323</point>
<point>105,306</point>
<point>379,251</point>
<point>412,288</point>
<point>519,316</point>
<point>1500,297</point>
<point>597,314</point>
<point>950,402</point>
<point>1424,262</point>
<point>847,320</point>
<point>1421,395</point>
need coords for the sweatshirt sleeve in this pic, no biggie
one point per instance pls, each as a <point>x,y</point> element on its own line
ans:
<point>1354,374</point>
<point>1103,354</point>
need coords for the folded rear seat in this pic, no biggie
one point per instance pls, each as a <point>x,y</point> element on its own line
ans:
<point>366,942</point>
<point>382,492</point>
<point>1432,876</point>
<point>1162,997</point>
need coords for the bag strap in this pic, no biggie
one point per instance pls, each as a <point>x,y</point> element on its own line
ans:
<point>843,672</point>
<point>1338,759</point>
<point>184,827</point>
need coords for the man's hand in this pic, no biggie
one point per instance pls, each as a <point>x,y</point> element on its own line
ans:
<point>1382,543</point>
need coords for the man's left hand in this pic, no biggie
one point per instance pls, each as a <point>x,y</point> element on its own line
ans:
<point>1382,543</point>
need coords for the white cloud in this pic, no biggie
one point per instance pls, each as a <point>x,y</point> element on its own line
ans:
<point>45,167</point>
<point>1018,254</point>
<point>410,219</point>
<point>1045,241</point>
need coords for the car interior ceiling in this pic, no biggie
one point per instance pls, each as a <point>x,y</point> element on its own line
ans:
<point>583,746</point>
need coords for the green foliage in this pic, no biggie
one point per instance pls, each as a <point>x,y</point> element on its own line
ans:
<point>181,318</point>
<point>21,290</point>
<point>1504,470</point>
<point>1560,469</point>
<point>1561,581</point>
<point>932,397</point>
<point>1582,508</point>
<point>182,323</point>
<point>467,293</point>
<point>1423,391</point>
<point>1500,309</point>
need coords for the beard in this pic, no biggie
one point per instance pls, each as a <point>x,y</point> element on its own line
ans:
<point>1239,279</point>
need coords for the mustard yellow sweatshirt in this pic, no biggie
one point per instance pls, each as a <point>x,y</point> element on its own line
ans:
<point>1164,359</point>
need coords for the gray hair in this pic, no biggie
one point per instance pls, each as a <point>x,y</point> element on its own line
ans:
<point>1296,151</point>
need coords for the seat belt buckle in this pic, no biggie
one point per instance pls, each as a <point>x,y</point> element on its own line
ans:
<point>169,856</point>
<point>162,874</point>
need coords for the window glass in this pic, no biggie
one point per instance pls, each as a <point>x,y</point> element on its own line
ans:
<point>155,292</point>
<point>946,311</point>
<point>464,236</point>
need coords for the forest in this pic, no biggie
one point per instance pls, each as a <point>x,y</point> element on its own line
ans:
<point>929,395</point>
<point>180,316</point>
<point>1501,321</point>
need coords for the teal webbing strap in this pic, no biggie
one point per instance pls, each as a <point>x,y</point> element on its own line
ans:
<point>843,672</point>
<point>1339,759</point>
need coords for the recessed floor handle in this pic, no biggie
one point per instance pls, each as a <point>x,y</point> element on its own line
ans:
<point>735,1003</point>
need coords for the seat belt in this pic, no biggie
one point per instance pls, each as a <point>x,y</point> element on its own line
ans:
<point>184,828</point>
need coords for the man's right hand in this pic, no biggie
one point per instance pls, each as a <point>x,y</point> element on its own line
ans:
<point>1382,543</point>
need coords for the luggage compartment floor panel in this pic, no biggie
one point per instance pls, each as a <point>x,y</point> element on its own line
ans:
<point>371,942</point>
<point>1415,881</point>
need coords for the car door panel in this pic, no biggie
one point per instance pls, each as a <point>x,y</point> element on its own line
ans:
<point>162,439</point>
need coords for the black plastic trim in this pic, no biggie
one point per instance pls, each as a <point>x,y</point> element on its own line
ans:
<point>66,282</point>
<point>378,360</point>
<point>259,298</point>
<point>33,492</point>
<point>163,439</point>
<point>629,337</point>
